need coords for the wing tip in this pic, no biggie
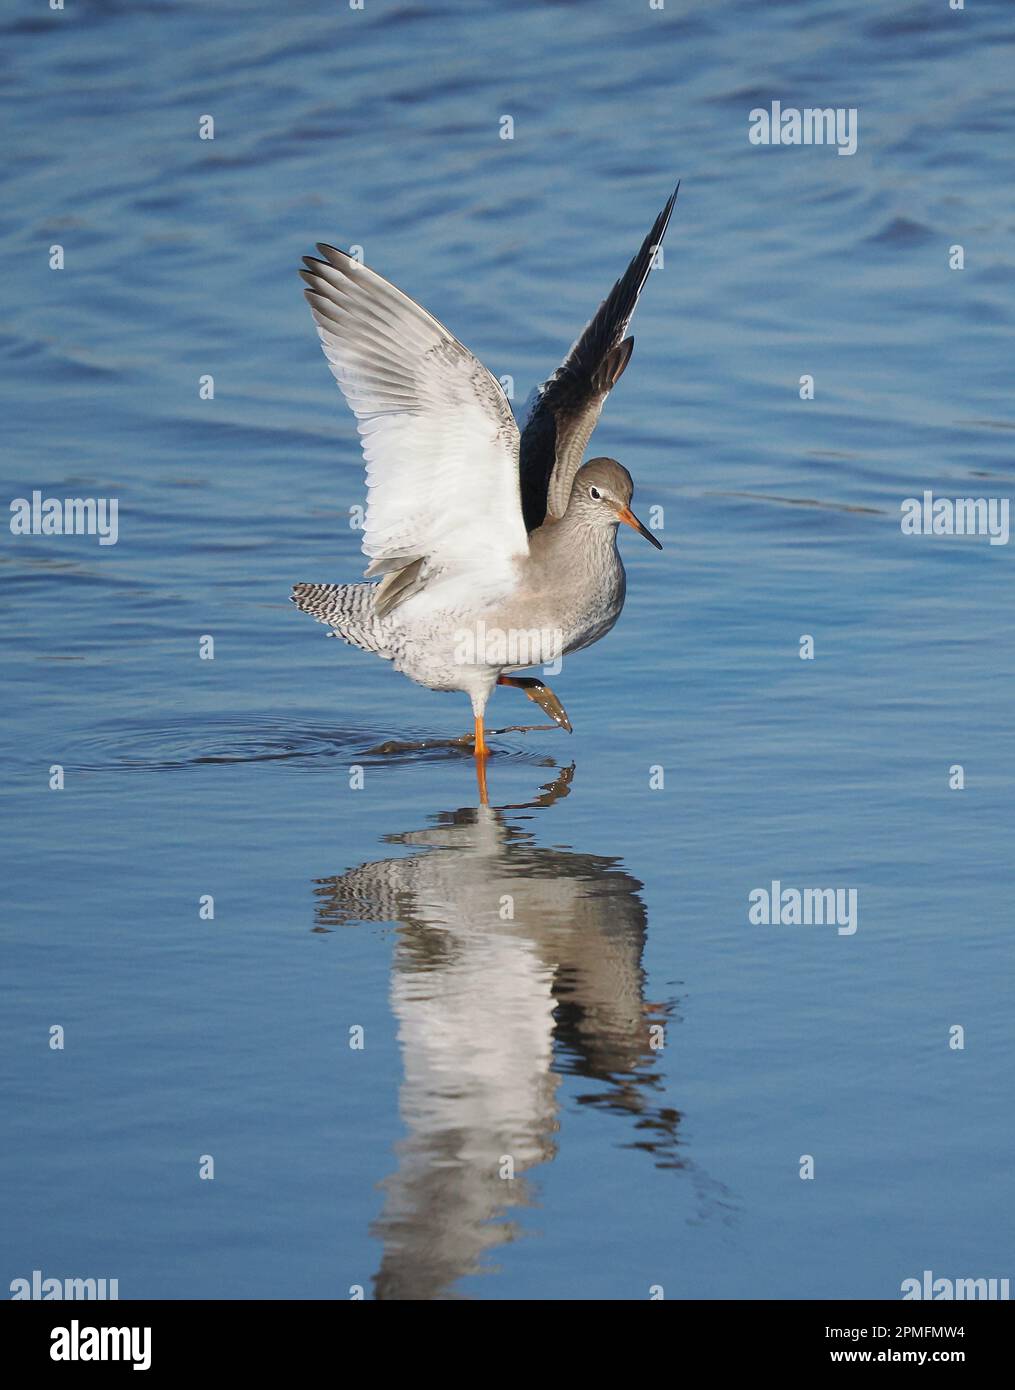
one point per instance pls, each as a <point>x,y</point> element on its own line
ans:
<point>663,220</point>
<point>331,258</point>
<point>332,255</point>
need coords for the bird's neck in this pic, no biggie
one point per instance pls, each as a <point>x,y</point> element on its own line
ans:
<point>575,542</point>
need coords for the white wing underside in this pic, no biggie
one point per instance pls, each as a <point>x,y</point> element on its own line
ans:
<point>438,435</point>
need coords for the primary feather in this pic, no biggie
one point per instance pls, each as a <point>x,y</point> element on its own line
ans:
<point>438,436</point>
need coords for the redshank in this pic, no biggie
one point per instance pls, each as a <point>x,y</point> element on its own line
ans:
<point>495,551</point>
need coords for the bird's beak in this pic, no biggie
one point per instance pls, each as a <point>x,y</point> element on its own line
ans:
<point>628,517</point>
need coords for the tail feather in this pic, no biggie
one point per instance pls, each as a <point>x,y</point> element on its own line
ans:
<point>349,610</point>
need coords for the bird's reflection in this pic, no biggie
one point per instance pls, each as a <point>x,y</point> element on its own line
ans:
<point>515,965</point>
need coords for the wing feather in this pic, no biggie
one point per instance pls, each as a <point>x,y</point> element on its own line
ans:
<point>570,402</point>
<point>437,432</point>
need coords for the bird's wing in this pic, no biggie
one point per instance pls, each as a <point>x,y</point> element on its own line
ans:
<point>440,442</point>
<point>569,403</point>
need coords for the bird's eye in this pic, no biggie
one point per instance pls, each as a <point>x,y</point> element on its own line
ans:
<point>595,494</point>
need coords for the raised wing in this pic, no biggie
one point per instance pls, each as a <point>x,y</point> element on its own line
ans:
<point>569,403</point>
<point>440,442</point>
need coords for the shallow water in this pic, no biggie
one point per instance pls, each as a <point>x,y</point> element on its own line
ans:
<point>381,908</point>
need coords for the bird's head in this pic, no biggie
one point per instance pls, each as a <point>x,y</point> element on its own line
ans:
<point>601,496</point>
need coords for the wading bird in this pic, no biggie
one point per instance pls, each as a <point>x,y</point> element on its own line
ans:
<point>494,551</point>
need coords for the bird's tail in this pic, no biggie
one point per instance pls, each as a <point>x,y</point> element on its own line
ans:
<point>349,610</point>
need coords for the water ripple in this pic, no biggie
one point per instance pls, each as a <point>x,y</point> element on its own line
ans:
<point>200,742</point>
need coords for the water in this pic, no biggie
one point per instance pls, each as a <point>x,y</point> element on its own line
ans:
<point>381,909</point>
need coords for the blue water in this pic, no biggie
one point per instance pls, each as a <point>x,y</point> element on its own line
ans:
<point>336,909</point>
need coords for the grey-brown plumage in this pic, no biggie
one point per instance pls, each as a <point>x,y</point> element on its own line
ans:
<point>445,529</point>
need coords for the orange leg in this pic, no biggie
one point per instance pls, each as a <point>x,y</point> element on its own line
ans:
<point>482,753</point>
<point>480,740</point>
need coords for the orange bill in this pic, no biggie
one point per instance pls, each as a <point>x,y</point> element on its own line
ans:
<point>629,519</point>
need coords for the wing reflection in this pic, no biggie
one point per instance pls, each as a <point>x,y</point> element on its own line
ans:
<point>514,966</point>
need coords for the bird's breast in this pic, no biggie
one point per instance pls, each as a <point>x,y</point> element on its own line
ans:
<point>596,605</point>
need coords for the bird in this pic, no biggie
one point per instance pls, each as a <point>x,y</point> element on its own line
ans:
<point>490,550</point>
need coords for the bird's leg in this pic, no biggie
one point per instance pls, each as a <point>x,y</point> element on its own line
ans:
<point>480,739</point>
<point>482,753</point>
<point>541,695</point>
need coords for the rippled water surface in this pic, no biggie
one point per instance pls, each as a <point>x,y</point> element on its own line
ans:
<point>487,1037</point>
